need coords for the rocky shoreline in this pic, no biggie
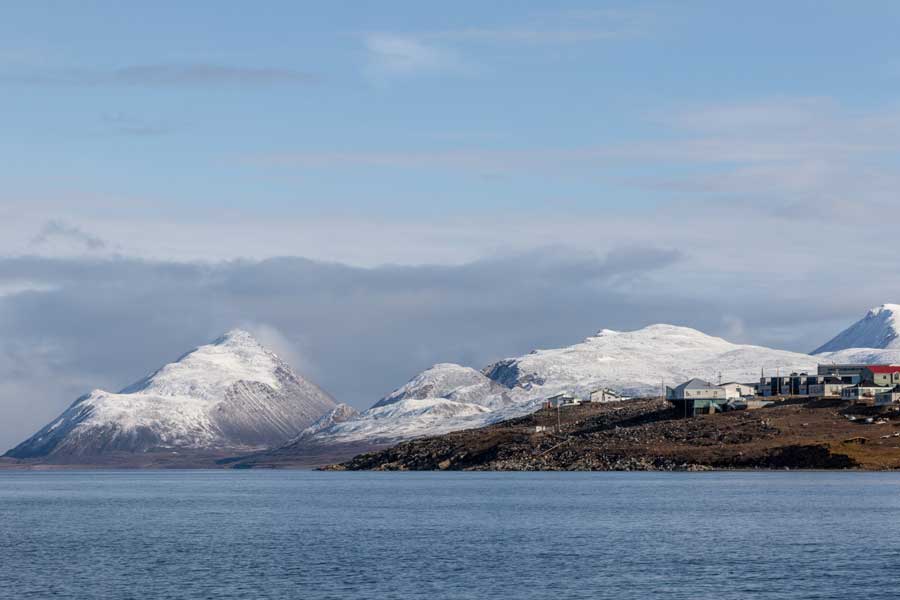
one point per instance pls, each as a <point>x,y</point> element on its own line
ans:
<point>647,435</point>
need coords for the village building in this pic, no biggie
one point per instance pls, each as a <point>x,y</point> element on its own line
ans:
<point>563,399</point>
<point>795,384</point>
<point>889,397</point>
<point>827,387</point>
<point>696,388</point>
<point>605,395</point>
<point>824,383</point>
<point>848,373</point>
<point>863,393</point>
<point>697,397</point>
<point>885,375</point>
<point>734,390</point>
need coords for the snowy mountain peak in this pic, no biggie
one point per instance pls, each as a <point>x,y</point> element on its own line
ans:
<point>207,371</point>
<point>230,393</point>
<point>890,308</point>
<point>451,382</point>
<point>880,329</point>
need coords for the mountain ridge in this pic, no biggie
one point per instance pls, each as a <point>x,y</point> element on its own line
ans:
<point>213,388</point>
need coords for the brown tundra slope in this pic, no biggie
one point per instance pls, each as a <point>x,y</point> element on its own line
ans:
<point>648,435</point>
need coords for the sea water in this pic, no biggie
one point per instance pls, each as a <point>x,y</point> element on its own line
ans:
<point>310,535</point>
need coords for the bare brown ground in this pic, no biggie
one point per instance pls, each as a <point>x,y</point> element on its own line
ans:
<point>648,435</point>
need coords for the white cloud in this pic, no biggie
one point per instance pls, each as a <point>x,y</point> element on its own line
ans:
<point>391,55</point>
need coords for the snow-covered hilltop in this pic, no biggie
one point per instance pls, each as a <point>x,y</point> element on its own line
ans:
<point>636,362</point>
<point>879,329</point>
<point>230,394</point>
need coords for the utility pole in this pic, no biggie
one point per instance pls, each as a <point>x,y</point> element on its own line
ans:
<point>558,420</point>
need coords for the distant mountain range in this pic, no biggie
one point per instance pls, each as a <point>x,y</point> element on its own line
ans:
<point>233,395</point>
<point>449,397</point>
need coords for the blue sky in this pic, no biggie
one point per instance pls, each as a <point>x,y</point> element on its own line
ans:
<point>376,187</point>
<point>401,110</point>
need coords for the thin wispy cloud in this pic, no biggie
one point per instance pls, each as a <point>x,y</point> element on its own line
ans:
<point>130,125</point>
<point>392,54</point>
<point>161,75</point>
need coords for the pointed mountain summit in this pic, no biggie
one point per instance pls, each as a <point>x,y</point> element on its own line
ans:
<point>880,328</point>
<point>230,394</point>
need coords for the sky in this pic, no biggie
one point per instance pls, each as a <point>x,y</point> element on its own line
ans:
<point>372,188</point>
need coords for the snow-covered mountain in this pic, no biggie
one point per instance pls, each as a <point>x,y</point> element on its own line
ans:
<point>636,362</point>
<point>879,329</point>
<point>230,394</point>
<point>448,397</point>
<point>440,399</point>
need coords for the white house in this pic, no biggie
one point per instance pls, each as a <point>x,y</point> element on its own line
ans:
<point>696,389</point>
<point>605,395</point>
<point>563,399</point>
<point>735,390</point>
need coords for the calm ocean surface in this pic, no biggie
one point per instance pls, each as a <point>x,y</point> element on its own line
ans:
<point>308,535</point>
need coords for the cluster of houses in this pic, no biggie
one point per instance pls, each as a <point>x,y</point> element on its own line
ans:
<point>875,385</point>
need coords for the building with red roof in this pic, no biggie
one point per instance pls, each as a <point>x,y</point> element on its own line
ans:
<point>883,375</point>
